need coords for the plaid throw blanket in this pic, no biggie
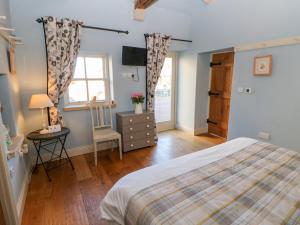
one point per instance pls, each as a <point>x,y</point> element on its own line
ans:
<point>257,185</point>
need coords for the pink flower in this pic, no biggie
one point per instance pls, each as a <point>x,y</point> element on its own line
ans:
<point>137,95</point>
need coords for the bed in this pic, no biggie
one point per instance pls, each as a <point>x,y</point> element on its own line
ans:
<point>242,181</point>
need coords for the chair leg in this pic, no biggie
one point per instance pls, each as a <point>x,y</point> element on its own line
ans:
<point>120,148</point>
<point>112,146</point>
<point>95,153</point>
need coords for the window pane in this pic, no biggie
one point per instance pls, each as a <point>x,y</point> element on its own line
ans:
<point>96,88</point>
<point>163,98</point>
<point>77,91</point>
<point>94,67</point>
<point>79,70</point>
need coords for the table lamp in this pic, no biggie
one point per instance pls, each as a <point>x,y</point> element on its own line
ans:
<point>41,101</point>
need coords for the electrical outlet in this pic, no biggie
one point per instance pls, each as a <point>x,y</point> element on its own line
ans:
<point>240,89</point>
<point>248,90</point>
<point>12,172</point>
<point>264,135</point>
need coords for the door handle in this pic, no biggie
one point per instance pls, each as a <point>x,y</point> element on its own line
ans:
<point>212,122</point>
<point>210,93</point>
<point>212,64</point>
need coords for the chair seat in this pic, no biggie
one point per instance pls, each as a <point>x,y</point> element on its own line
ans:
<point>105,134</point>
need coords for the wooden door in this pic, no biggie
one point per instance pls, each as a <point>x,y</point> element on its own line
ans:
<point>220,93</point>
<point>2,221</point>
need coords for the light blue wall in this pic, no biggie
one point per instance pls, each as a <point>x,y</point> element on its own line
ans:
<point>202,87</point>
<point>113,14</point>
<point>226,24</point>
<point>12,113</point>
<point>273,106</point>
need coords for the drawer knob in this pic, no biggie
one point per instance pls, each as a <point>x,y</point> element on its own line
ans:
<point>131,137</point>
<point>148,141</point>
<point>148,134</point>
<point>130,128</point>
<point>148,117</point>
<point>130,120</point>
<point>131,145</point>
<point>148,125</point>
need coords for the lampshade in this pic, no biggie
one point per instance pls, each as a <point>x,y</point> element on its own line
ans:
<point>40,101</point>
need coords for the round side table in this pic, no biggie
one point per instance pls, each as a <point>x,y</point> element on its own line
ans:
<point>48,142</point>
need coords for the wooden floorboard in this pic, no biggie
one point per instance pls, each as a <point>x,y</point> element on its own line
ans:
<point>73,197</point>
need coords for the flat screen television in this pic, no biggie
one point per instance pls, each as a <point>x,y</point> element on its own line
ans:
<point>132,56</point>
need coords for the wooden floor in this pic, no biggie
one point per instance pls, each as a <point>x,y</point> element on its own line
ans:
<point>73,197</point>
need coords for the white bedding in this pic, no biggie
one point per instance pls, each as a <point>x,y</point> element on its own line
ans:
<point>113,206</point>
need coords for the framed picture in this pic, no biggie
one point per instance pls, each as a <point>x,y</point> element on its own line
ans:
<point>263,65</point>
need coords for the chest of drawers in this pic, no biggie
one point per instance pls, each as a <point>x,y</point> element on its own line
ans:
<point>137,130</point>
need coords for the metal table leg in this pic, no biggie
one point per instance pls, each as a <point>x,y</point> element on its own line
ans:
<point>37,146</point>
<point>62,142</point>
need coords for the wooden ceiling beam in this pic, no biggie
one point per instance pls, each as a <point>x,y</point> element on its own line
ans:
<point>144,4</point>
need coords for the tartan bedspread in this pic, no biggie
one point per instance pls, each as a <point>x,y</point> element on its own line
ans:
<point>258,185</point>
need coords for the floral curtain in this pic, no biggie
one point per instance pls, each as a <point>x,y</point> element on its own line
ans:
<point>62,44</point>
<point>157,46</point>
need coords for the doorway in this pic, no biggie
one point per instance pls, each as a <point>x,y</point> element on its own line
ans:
<point>220,93</point>
<point>165,95</point>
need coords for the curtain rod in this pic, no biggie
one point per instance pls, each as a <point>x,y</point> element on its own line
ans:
<point>40,20</point>
<point>174,39</point>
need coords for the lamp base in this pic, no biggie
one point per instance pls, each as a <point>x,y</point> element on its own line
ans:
<point>44,131</point>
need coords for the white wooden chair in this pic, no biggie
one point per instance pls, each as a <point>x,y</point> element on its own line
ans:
<point>101,114</point>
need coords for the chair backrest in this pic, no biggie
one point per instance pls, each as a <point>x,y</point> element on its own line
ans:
<point>101,114</point>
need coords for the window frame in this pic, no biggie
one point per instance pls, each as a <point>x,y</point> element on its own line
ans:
<point>106,79</point>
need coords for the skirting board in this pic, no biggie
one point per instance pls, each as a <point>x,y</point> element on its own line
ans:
<point>80,150</point>
<point>196,131</point>
<point>23,195</point>
<point>184,128</point>
<point>85,149</point>
<point>201,130</point>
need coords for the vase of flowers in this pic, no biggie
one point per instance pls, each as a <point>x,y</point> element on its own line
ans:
<point>137,99</point>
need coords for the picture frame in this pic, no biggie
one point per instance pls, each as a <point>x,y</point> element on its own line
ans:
<point>263,65</point>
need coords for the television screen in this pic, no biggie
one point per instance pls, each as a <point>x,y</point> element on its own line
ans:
<point>134,56</point>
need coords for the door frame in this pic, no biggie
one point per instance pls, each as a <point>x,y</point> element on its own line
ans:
<point>209,85</point>
<point>7,201</point>
<point>170,125</point>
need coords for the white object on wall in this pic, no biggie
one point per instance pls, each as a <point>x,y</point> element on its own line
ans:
<point>248,90</point>
<point>240,90</point>
<point>268,44</point>
<point>24,148</point>
<point>264,135</point>
<point>139,14</point>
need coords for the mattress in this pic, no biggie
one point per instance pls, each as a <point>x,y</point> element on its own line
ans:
<point>239,182</point>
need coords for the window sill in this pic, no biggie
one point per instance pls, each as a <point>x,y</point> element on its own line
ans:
<point>75,108</point>
<point>70,108</point>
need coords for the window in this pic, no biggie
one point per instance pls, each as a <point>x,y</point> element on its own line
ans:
<point>90,79</point>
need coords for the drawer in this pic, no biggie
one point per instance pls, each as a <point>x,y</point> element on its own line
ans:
<point>138,144</point>
<point>134,119</point>
<point>138,135</point>
<point>137,128</point>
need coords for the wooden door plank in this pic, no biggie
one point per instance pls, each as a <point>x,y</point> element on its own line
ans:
<point>2,222</point>
<point>221,83</point>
